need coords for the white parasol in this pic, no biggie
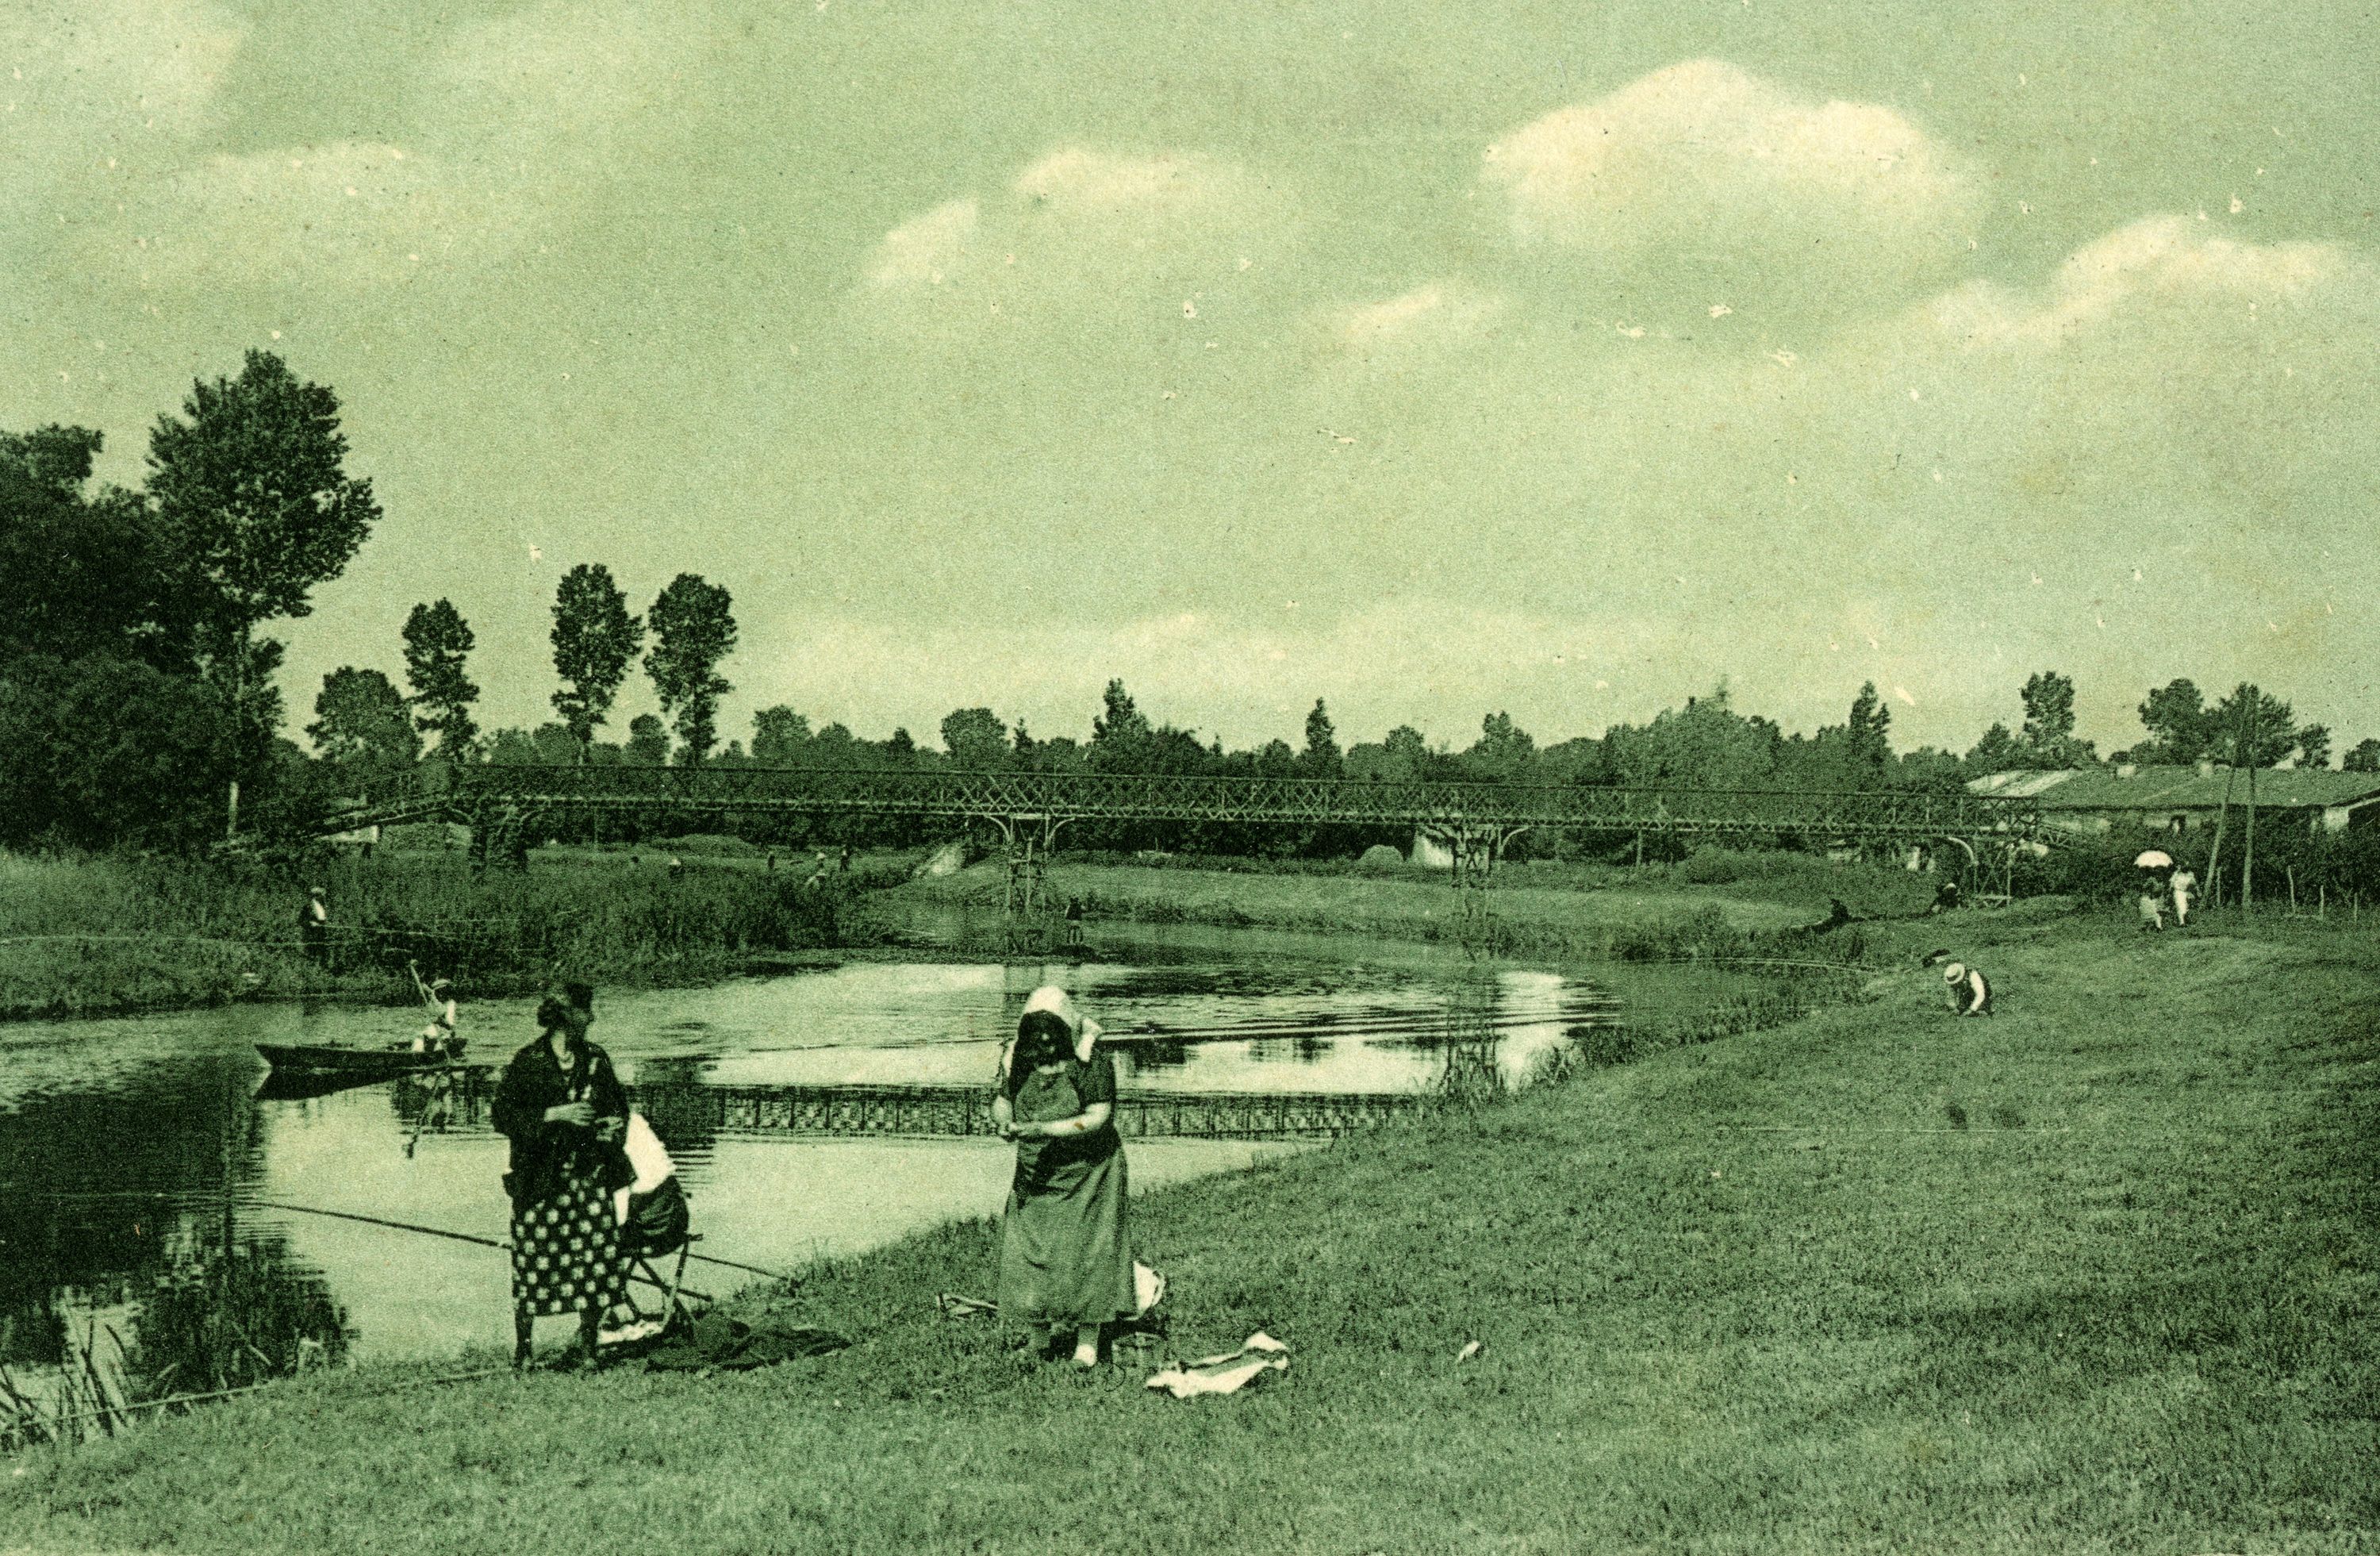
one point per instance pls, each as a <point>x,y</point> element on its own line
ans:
<point>2156,858</point>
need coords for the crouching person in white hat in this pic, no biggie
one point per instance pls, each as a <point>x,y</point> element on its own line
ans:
<point>1065,1252</point>
<point>1971,992</point>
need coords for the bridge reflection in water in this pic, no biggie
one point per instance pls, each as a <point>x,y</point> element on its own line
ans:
<point>686,1114</point>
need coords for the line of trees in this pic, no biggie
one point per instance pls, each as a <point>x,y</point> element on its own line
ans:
<point>366,729</point>
<point>138,667</point>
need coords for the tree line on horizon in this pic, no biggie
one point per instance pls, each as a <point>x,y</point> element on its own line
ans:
<point>138,676</point>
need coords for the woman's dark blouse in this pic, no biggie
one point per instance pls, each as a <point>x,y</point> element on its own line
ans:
<point>1040,1098</point>
<point>543,1151</point>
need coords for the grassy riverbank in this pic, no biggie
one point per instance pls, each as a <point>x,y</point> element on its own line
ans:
<point>1540,908</point>
<point>97,935</point>
<point>2096,1273</point>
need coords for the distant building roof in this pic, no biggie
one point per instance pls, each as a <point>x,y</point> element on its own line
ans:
<point>2181,788</point>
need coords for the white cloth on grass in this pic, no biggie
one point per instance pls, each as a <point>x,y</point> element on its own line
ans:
<point>1226,1374</point>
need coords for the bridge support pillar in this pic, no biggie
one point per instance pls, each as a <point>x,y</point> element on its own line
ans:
<point>1476,849</point>
<point>1024,907</point>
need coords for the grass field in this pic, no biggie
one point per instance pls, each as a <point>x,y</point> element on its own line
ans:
<point>1554,908</point>
<point>2098,1273</point>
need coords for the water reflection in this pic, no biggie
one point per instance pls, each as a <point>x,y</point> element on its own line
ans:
<point>118,1139</point>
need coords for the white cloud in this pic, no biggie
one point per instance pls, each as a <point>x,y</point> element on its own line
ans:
<point>353,215</point>
<point>1708,172</point>
<point>517,122</point>
<point>925,250</point>
<point>1141,243</point>
<point>1437,310</point>
<point>2157,263</point>
<point>98,94</point>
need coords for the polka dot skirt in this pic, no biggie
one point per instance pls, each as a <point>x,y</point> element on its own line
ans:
<point>566,1253</point>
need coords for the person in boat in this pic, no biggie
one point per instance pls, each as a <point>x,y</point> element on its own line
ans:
<point>561,1105</point>
<point>439,1037</point>
<point>1971,992</point>
<point>1065,1255</point>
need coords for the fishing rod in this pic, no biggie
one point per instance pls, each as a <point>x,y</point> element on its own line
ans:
<point>487,1242</point>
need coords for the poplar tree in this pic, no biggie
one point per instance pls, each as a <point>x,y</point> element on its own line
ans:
<point>694,628</point>
<point>595,639</point>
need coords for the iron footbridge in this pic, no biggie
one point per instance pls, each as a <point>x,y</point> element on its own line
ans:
<point>1474,822</point>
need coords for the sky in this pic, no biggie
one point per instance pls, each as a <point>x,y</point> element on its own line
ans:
<point>1565,360</point>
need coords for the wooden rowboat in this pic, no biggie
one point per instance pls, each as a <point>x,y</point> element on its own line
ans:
<point>374,1062</point>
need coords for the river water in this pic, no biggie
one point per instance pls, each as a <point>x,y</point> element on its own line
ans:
<point>119,1138</point>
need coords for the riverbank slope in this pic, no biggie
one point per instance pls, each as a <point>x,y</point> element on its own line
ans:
<point>2096,1272</point>
<point>94,935</point>
<point>1546,908</point>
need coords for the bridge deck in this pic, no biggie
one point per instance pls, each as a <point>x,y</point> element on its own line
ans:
<point>487,793</point>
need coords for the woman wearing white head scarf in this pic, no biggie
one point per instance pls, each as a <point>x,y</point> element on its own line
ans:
<point>1065,1258</point>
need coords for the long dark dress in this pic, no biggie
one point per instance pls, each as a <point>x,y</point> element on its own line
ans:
<point>1065,1253</point>
<point>566,1232</point>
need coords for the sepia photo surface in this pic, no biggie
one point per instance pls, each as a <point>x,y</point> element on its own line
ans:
<point>857,776</point>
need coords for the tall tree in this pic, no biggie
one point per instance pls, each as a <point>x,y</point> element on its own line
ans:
<point>781,738</point>
<point>2313,746</point>
<point>437,643</point>
<point>2048,709</point>
<point>1121,736</point>
<point>2182,729</point>
<point>251,491</point>
<point>694,628</point>
<point>361,725</point>
<point>595,639</point>
<point>1321,758</point>
<point>975,739</point>
<point>1997,752</point>
<point>1868,735</point>
<point>2255,728</point>
<point>1503,753</point>
<point>79,575</point>
<point>2362,757</point>
<point>648,742</point>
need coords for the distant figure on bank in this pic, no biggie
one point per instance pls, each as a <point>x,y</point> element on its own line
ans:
<point>1971,992</point>
<point>676,868</point>
<point>1837,916</point>
<point>1065,1255</point>
<point>772,863</point>
<point>1074,920</point>
<point>2185,888</point>
<point>1946,897</point>
<point>560,1105</point>
<point>845,863</point>
<point>314,927</point>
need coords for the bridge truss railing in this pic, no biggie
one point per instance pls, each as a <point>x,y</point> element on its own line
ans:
<point>474,792</point>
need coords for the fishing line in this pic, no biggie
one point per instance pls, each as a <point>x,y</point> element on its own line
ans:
<point>485,1242</point>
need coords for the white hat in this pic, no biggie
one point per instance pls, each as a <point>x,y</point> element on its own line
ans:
<point>1954,972</point>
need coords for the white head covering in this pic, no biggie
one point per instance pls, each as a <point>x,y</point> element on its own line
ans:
<point>1954,972</point>
<point>1057,1002</point>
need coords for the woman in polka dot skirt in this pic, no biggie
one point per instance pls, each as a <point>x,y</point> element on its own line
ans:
<point>560,1105</point>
